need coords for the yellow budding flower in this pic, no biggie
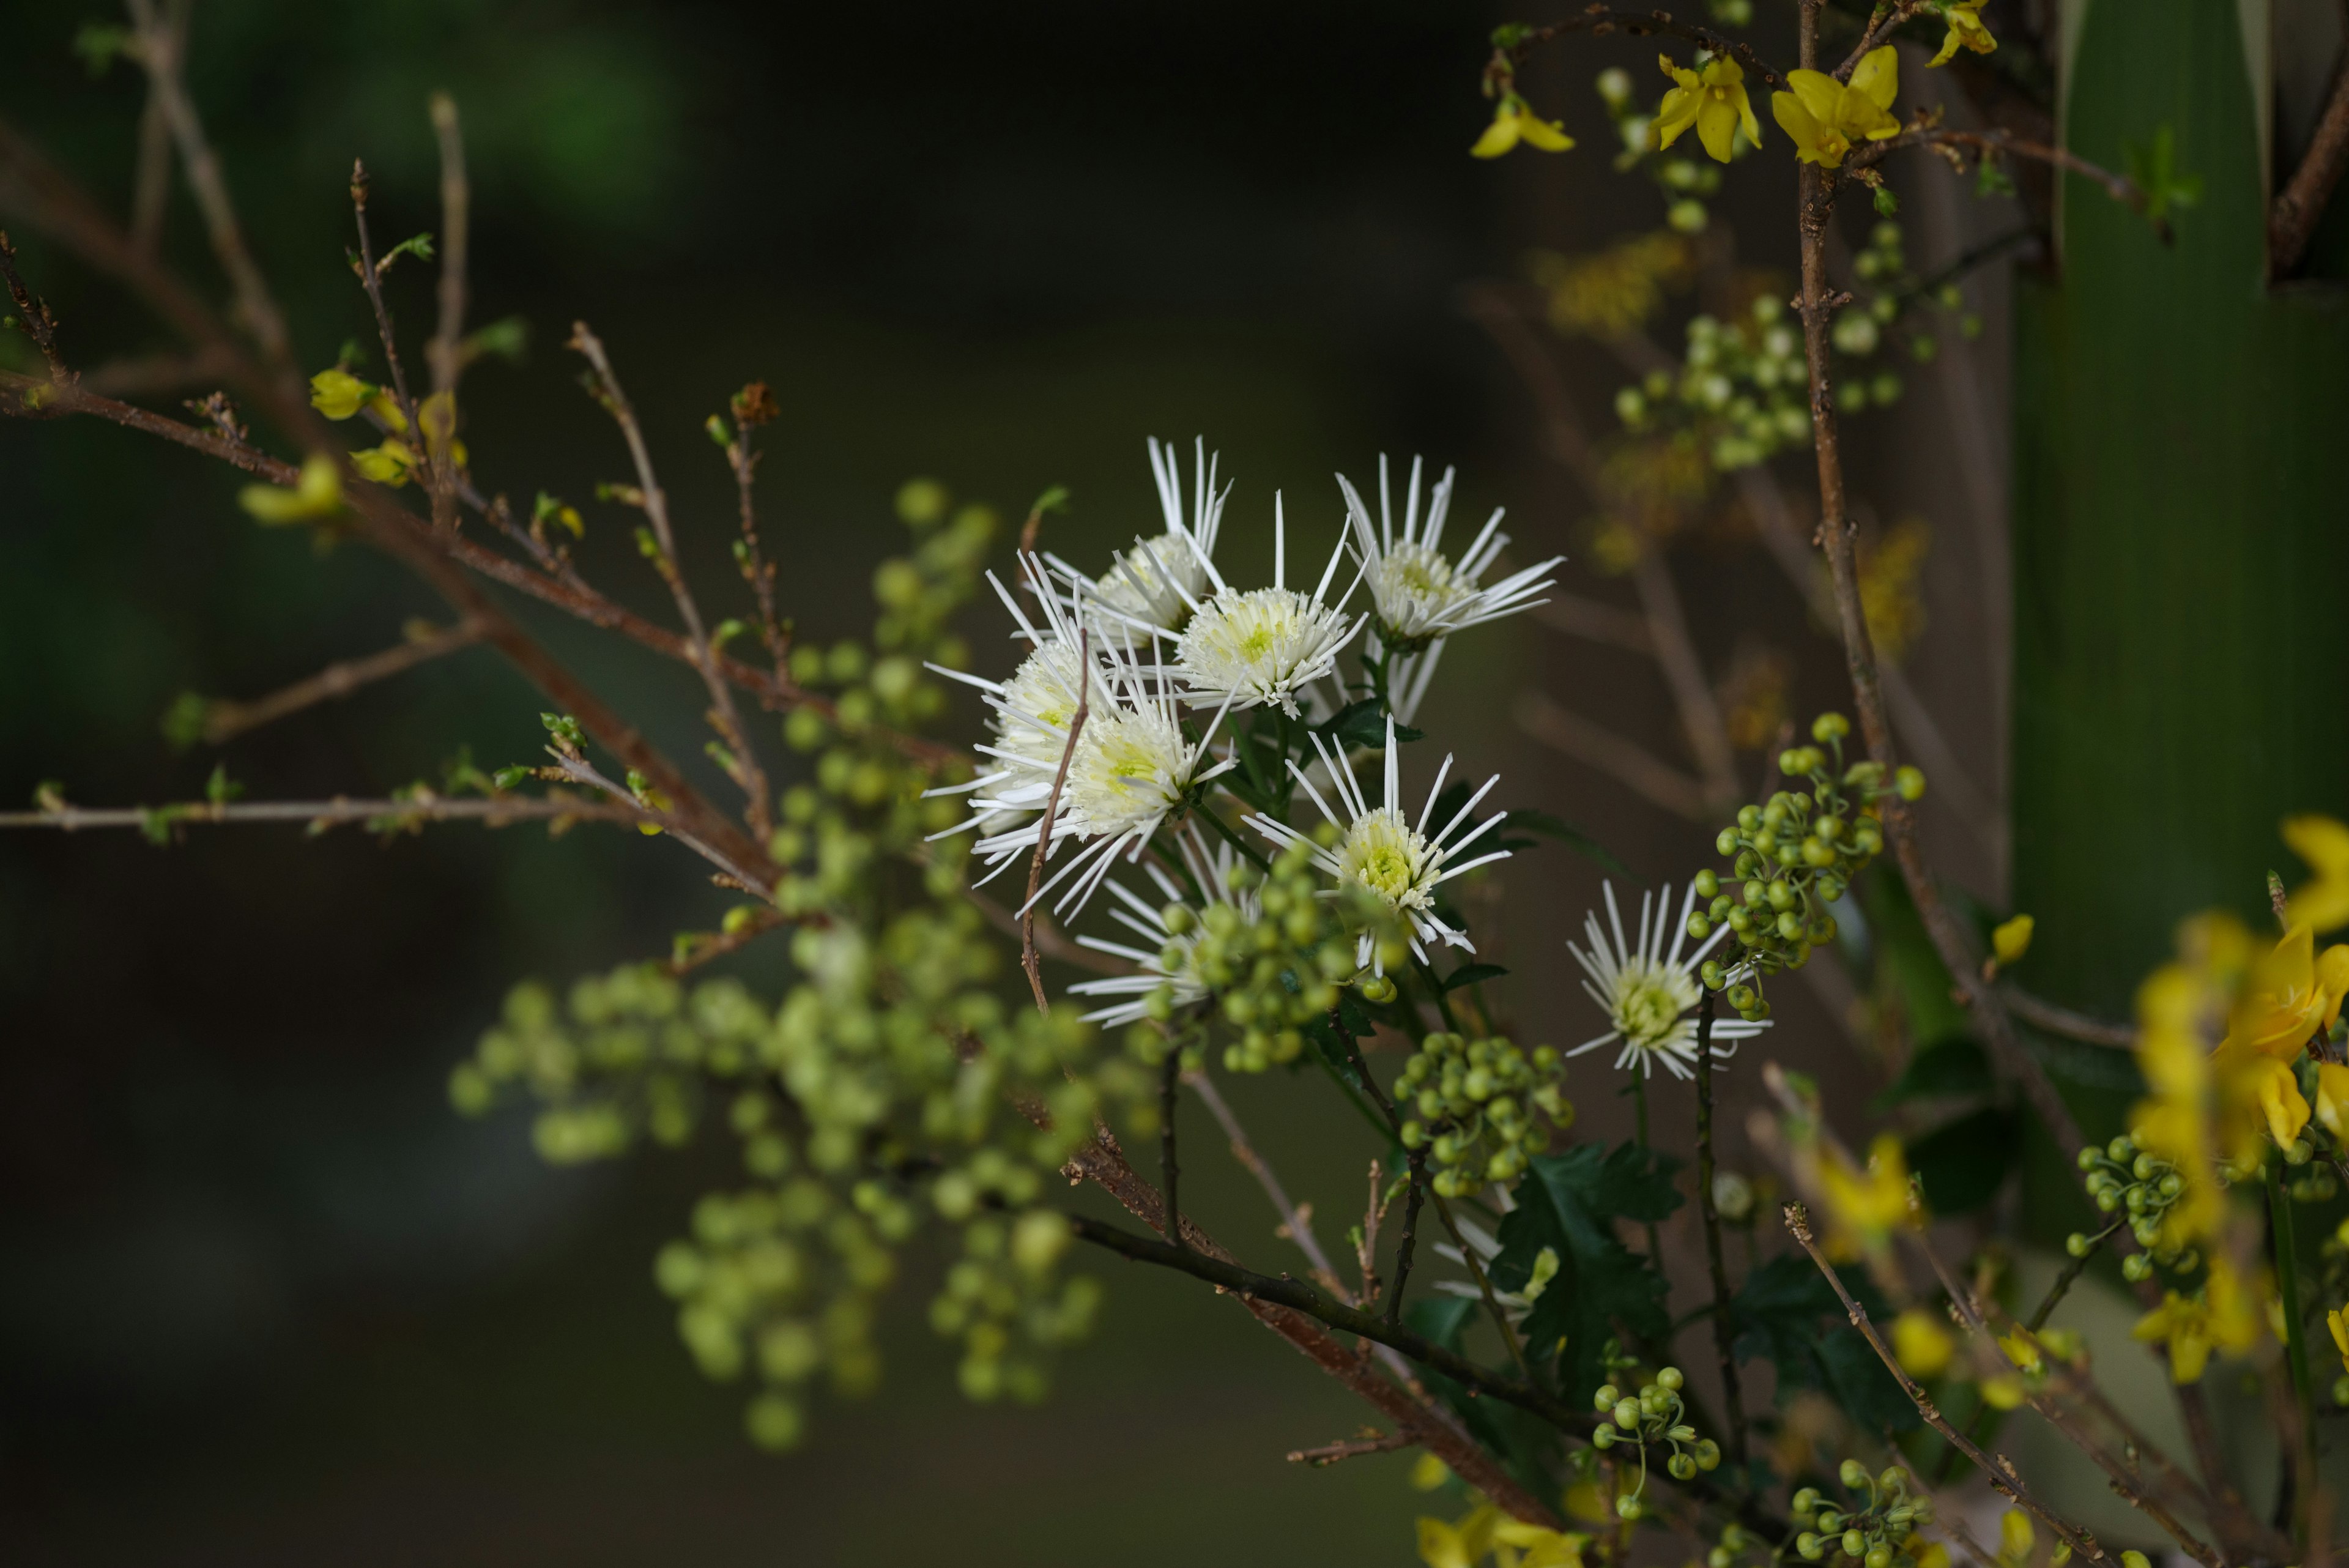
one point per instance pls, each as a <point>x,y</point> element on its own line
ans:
<point>1825,116</point>
<point>2291,995</point>
<point>1514,121</point>
<point>2012,940</point>
<point>1538,1548</point>
<point>1428,1472</point>
<point>1866,1205</point>
<point>1714,100</point>
<point>1966,32</point>
<point>2323,904</point>
<point>2222,1316</point>
<point>2333,1098</point>
<point>387,464</point>
<point>1922,1346</point>
<point>317,493</point>
<point>2339,1324</point>
<point>2015,1538</point>
<point>1457,1545</point>
<point>338,394</point>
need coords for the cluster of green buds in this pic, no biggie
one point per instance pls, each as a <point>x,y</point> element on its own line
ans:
<point>1796,854</point>
<point>1656,1414</point>
<point>1685,183</point>
<point>1743,384</point>
<point>1864,327</point>
<point>1267,955</point>
<point>2317,1184</point>
<point>2138,1189</point>
<point>1004,1300</point>
<point>1481,1108</point>
<point>1871,1535</point>
<point>1736,1543</point>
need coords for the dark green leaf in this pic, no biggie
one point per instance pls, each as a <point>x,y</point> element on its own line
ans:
<point>1964,1161</point>
<point>1953,1066</point>
<point>1363,723</point>
<point>1472,974</point>
<point>1788,1313</point>
<point>1569,1203</point>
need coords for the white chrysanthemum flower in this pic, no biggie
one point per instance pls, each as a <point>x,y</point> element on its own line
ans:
<point>1418,595</point>
<point>1131,768</point>
<point>1213,874</point>
<point>1246,649</point>
<point>1384,853</point>
<point>1153,588</point>
<point>1031,711</point>
<point>1648,992</point>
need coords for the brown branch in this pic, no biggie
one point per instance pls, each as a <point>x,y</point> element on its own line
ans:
<point>33,314</point>
<point>710,946</point>
<point>445,355</point>
<point>736,867</point>
<point>1723,1330</point>
<point>1594,622</point>
<point>2001,1476</point>
<point>369,272</point>
<point>2125,1484</point>
<point>2066,1023</point>
<point>162,55</point>
<point>1029,961</point>
<point>494,812</point>
<point>1626,762</point>
<point>1985,143</point>
<point>2292,222</point>
<point>151,180</point>
<point>225,720</point>
<point>1372,1441</point>
<point>743,763</point>
<point>1295,1224</point>
<point>1102,1162</point>
<point>1887,18</point>
<point>1599,21</point>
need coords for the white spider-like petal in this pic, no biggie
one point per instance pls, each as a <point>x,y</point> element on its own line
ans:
<point>1212,874</point>
<point>1418,595</point>
<point>1380,852</point>
<point>1154,589</point>
<point>1244,649</point>
<point>1647,990</point>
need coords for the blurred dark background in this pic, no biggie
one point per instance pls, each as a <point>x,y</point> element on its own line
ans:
<point>263,1297</point>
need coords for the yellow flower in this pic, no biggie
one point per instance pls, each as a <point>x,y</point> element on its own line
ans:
<point>2264,1082</point>
<point>2004,1393</point>
<point>1514,121</point>
<point>2292,994</point>
<point>1428,1472</point>
<point>2323,904</point>
<point>317,493</point>
<point>1459,1545</point>
<point>1865,1205</point>
<point>385,465</point>
<point>1966,32</point>
<point>2333,1098</point>
<point>1542,1548</point>
<point>2339,1324</point>
<point>2015,1537</point>
<point>2012,940</point>
<point>2222,1316</point>
<point>338,394</point>
<point>2024,1354</point>
<point>1714,100</point>
<point>1921,1346</point>
<point>1825,116</point>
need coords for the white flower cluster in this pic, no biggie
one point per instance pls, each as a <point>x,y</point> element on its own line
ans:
<point>1159,649</point>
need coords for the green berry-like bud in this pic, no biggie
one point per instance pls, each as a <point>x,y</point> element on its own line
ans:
<point>1629,1508</point>
<point>1626,1414</point>
<point>1681,1466</point>
<point>1810,1546</point>
<point>1908,782</point>
<point>1670,1379</point>
<point>1603,1439</point>
<point>1604,1400</point>
<point>1804,1500</point>
<point>2077,1244</point>
<point>1852,1473</point>
<point>1830,727</point>
<point>1708,886</point>
<point>1708,1454</point>
<point>1854,1544</point>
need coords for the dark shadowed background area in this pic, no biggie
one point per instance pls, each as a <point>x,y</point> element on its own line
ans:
<point>264,1298</point>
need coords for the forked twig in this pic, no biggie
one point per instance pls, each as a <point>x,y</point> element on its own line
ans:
<point>1029,959</point>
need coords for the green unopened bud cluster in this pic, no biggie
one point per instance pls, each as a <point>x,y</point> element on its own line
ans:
<point>1655,1415</point>
<point>1874,1534</point>
<point>1742,388</point>
<point>1867,325</point>
<point>2139,1189</point>
<point>1794,853</point>
<point>1481,1108</point>
<point>1266,957</point>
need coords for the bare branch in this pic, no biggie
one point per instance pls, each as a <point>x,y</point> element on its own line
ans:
<point>1594,622</point>
<point>1624,761</point>
<point>1599,21</point>
<point>494,811</point>
<point>150,181</point>
<point>2001,1473</point>
<point>2063,1021</point>
<point>1372,1441</point>
<point>2293,221</point>
<point>1029,960</point>
<point>225,720</point>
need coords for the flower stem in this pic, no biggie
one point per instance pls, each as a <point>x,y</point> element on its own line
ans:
<point>1230,835</point>
<point>1723,1330</point>
<point>2287,1259</point>
<point>1640,1105</point>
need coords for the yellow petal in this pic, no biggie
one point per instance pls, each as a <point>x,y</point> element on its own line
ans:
<point>1716,127</point>
<point>1745,118</point>
<point>1878,75</point>
<point>1921,1346</point>
<point>1547,135</point>
<point>2280,1101</point>
<point>337,393</point>
<point>1676,114</point>
<point>2333,1098</point>
<point>1818,92</point>
<point>1428,1472</point>
<point>2321,841</point>
<point>1509,124</point>
<point>316,494</point>
<point>2002,1393</point>
<point>2012,939</point>
<point>1440,1547</point>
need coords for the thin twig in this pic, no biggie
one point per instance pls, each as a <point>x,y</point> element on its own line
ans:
<point>151,180</point>
<point>1627,762</point>
<point>2125,1484</point>
<point>2063,1021</point>
<point>1372,1442</point>
<point>494,811</point>
<point>1170,1073</point>
<point>753,924</point>
<point>2001,1476</point>
<point>1724,1332</point>
<point>1983,143</point>
<point>1295,1224</point>
<point>742,762</point>
<point>2293,221</point>
<point>162,56</point>
<point>1029,959</point>
<point>1594,621</point>
<point>445,354</point>
<point>1414,1193</point>
<point>1599,21</point>
<point>225,720</point>
<point>1484,1287</point>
